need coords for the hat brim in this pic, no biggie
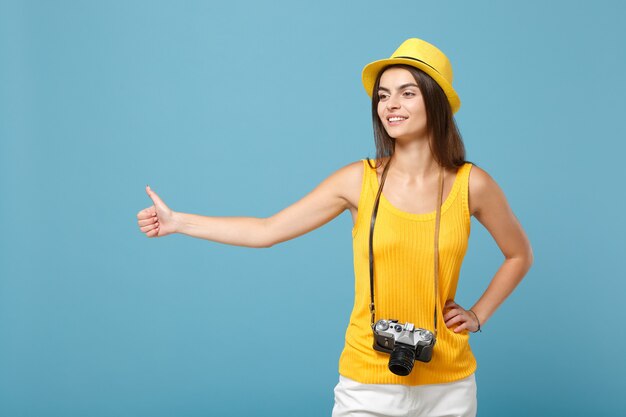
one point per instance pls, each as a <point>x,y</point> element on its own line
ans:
<point>371,70</point>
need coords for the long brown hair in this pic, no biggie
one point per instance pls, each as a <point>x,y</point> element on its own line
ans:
<point>446,143</point>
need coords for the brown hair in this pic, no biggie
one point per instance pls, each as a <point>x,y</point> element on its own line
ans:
<point>446,143</point>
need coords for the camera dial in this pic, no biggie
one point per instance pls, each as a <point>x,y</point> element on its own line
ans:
<point>425,335</point>
<point>382,325</point>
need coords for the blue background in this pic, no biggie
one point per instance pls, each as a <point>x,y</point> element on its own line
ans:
<point>242,108</point>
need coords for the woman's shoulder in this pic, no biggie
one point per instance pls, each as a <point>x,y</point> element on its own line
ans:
<point>478,177</point>
<point>376,164</point>
<point>351,178</point>
<point>353,170</point>
<point>482,187</point>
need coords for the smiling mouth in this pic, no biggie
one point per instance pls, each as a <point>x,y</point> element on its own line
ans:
<point>392,121</point>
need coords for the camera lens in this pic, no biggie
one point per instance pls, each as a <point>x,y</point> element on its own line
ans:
<point>401,360</point>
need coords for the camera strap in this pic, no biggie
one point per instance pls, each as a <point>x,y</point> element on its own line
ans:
<point>371,239</point>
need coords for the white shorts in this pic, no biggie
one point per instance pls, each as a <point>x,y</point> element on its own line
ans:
<point>453,399</point>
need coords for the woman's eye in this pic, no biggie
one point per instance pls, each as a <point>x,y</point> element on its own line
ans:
<point>381,96</point>
<point>410,93</point>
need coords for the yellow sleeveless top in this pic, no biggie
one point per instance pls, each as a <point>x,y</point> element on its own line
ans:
<point>404,283</point>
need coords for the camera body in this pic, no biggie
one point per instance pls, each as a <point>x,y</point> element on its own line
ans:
<point>405,343</point>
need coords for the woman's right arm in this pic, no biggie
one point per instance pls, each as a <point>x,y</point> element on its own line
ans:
<point>329,199</point>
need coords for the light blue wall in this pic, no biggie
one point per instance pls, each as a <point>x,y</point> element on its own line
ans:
<point>242,108</point>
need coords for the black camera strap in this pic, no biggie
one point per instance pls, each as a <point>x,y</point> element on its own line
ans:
<point>371,239</point>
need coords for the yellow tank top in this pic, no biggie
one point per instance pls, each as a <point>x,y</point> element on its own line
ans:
<point>404,283</point>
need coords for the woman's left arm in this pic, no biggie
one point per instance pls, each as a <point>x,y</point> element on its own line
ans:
<point>488,204</point>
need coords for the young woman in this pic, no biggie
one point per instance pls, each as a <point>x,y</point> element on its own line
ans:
<point>409,243</point>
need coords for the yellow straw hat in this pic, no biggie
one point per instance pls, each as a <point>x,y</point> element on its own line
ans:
<point>419,54</point>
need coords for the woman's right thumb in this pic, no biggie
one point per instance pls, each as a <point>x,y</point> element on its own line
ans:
<point>151,194</point>
<point>155,198</point>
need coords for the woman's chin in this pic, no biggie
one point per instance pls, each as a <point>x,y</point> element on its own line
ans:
<point>405,137</point>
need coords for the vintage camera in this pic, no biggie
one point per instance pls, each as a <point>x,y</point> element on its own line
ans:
<point>405,343</point>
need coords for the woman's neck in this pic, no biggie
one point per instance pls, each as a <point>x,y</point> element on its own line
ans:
<point>413,162</point>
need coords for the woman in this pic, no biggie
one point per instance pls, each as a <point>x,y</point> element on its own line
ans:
<point>408,269</point>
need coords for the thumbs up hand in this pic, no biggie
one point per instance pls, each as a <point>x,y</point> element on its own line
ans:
<point>158,219</point>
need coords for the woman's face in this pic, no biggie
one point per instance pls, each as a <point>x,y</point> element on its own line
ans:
<point>401,106</point>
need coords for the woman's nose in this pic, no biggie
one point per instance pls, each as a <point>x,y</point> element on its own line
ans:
<point>392,103</point>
